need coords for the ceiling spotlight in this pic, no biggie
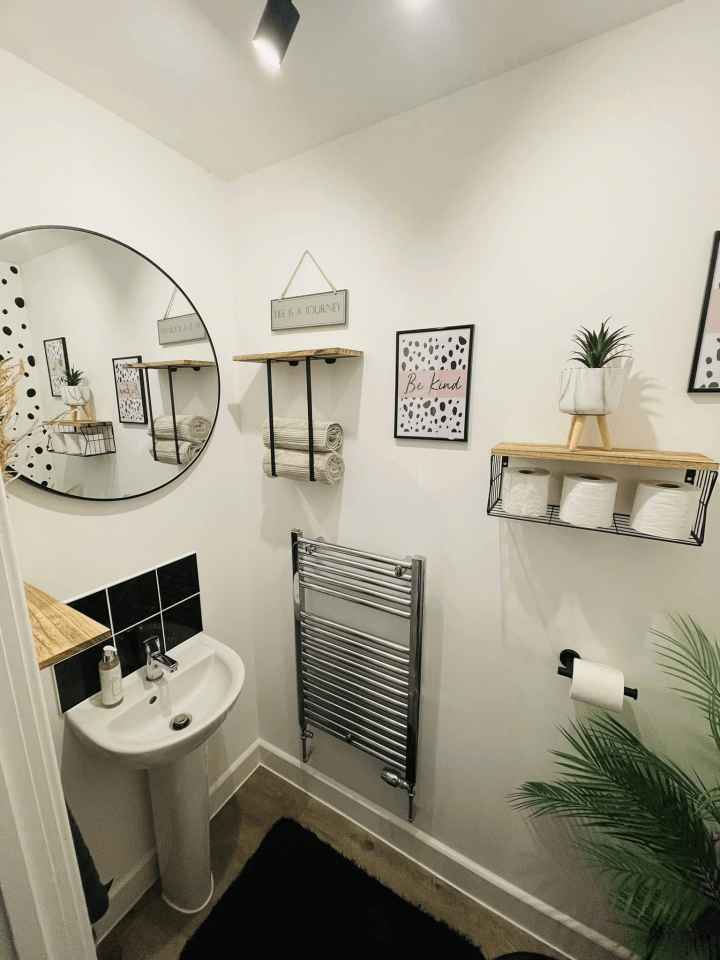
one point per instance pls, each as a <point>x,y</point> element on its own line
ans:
<point>276,29</point>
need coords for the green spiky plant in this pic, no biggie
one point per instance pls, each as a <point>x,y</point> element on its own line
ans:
<point>73,377</point>
<point>650,830</point>
<point>597,348</point>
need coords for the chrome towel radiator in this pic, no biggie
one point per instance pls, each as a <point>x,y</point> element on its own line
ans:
<point>357,686</point>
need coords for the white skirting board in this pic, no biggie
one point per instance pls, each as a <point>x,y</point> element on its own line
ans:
<point>548,925</point>
<point>557,930</point>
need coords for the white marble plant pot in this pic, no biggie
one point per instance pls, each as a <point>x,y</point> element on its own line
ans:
<point>75,396</point>
<point>591,391</point>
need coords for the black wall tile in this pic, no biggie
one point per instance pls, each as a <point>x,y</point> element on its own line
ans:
<point>78,677</point>
<point>135,607</point>
<point>134,600</point>
<point>178,580</point>
<point>93,605</point>
<point>182,622</point>
<point>130,647</point>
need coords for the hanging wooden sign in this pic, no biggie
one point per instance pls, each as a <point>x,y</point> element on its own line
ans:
<point>179,329</point>
<point>311,310</point>
<point>187,326</point>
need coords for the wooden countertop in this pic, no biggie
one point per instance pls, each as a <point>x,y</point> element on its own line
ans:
<point>59,630</point>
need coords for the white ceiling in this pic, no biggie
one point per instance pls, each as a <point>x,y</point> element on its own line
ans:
<point>186,72</point>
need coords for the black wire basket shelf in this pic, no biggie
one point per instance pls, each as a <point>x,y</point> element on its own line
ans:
<point>704,479</point>
<point>81,438</point>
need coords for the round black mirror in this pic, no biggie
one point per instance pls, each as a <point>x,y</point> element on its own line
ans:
<point>117,380</point>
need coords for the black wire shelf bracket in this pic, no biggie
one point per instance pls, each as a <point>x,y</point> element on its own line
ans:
<point>293,358</point>
<point>703,479</point>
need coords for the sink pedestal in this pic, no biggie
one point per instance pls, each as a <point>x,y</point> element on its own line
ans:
<point>181,813</point>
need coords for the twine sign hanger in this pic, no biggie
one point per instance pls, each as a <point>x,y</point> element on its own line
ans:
<point>186,326</point>
<point>310,310</point>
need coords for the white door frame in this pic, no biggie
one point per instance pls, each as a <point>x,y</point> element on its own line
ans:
<point>39,876</point>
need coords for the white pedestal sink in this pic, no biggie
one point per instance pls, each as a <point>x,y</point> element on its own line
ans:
<point>139,733</point>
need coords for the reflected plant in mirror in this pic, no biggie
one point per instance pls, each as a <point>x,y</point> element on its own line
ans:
<point>94,421</point>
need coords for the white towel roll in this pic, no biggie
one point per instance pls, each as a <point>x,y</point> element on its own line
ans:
<point>166,452</point>
<point>665,508</point>
<point>525,491</point>
<point>189,427</point>
<point>588,500</point>
<point>295,465</point>
<point>293,434</point>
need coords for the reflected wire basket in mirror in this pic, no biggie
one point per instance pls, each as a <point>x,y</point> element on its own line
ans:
<point>91,438</point>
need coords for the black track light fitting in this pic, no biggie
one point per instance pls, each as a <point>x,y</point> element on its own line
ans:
<point>276,29</point>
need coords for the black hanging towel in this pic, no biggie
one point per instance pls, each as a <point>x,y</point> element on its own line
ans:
<point>96,892</point>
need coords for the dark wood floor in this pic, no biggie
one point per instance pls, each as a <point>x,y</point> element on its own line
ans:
<point>154,931</point>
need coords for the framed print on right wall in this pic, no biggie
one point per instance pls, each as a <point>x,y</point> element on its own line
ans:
<point>432,383</point>
<point>705,373</point>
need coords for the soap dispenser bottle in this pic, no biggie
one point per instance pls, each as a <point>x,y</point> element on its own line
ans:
<point>111,689</point>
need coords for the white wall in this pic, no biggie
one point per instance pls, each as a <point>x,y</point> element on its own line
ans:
<point>579,187</point>
<point>67,161</point>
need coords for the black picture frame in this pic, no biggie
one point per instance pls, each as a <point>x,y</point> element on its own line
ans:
<point>427,332</point>
<point>64,361</point>
<point>141,381</point>
<point>712,369</point>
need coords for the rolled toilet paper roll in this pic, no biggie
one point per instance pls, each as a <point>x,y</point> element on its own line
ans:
<point>525,491</point>
<point>665,508</point>
<point>588,500</point>
<point>598,685</point>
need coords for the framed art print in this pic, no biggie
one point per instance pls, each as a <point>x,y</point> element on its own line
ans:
<point>432,383</point>
<point>57,362</point>
<point>130,390</point>
<point>705,373</point>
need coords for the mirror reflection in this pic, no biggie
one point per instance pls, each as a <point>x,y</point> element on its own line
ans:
<point>119,386</point>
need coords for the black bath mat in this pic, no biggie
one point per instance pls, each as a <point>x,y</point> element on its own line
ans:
<point>298,897</point>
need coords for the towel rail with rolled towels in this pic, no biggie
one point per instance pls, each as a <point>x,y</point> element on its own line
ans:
<point>186,454</point>
<point>293,358</point>
<point>357,686</point>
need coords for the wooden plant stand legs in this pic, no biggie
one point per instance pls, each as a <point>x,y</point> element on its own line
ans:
<point>604,432</point>
<point>576,429</point>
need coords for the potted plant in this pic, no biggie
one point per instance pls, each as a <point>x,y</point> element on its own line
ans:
<point>649,829</point>
<point>74,389</point>
<point>595,388</point>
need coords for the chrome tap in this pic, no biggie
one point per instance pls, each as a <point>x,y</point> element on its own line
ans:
<point>157,662</point>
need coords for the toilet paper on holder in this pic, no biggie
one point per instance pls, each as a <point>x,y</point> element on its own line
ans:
<point>568,658</point>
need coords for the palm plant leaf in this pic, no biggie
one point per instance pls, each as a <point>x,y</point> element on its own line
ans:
<point>651,890</point>
<point>694,659</point>
<point>616,784</point>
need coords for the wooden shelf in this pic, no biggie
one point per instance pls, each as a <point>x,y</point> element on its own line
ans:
<point>660,459</point>
<point>59,630</point>
<point>77,423</point>
<point>293,356</point>
<point>164,364</point>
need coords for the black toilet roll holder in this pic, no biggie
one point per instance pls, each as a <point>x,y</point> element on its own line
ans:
<point>568,658</point>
